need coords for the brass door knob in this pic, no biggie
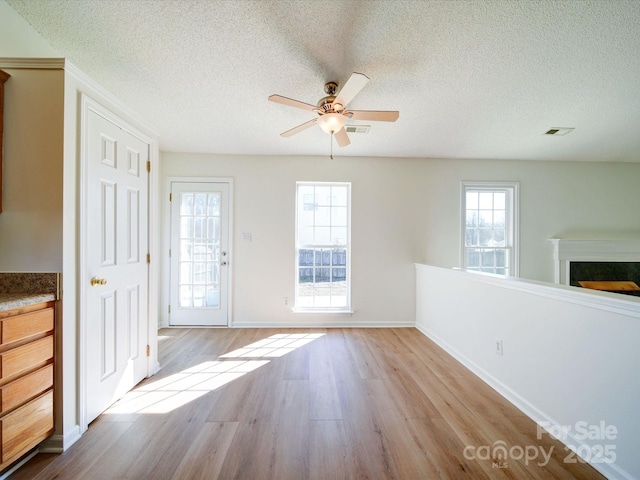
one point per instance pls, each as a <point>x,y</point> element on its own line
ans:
<point>95,281</point>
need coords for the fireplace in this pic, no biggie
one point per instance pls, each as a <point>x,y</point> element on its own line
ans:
<point>618,277</point>
<point>609,265</point>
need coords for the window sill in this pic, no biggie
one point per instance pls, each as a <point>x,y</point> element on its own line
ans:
<point>322,310</point>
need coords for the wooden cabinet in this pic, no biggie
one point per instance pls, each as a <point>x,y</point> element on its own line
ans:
<point>26,379</point>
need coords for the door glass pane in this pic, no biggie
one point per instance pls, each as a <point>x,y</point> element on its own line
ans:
<point>200,250</point>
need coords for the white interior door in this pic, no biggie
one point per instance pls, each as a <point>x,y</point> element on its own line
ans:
<point>116,259</point>
<point>199,253</point>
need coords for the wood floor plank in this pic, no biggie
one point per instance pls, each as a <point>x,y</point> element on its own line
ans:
<point>369,450</point>
<point>407,458</point>
<point>203,460</point>
<point>290,433</point>
<point>328,450</point>
<point>472,431</point>
<point>324,402</point>
<point>163,452</point>
<point>407,394</point>
<point>480,397</point>
<point>443,447</point>
<point>81,457</point>
<point>362,355</point>
<point>436,359</point>
<point>296,404</point>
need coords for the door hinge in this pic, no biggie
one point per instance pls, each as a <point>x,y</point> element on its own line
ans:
<point>169,308</point>
<point>148,165</point>
<point>171,197</point>
<point>148,258</point>
<point>148,351</point>
<point>169,253</point>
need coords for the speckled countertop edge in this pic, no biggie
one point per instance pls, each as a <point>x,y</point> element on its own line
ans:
<point>21,289</point>
<point>9,301</point>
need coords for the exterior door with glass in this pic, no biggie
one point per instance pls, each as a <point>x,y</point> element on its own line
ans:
<point>199,254</point>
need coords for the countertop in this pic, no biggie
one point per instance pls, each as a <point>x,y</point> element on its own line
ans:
<point>9,301</point>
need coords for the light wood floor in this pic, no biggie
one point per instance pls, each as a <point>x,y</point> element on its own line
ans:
<point>308,404</point>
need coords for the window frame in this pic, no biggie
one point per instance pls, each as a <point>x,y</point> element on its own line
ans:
<point>512,240</point>
<point>347,247</point>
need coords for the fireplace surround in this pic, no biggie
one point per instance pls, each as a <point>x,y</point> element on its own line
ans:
<point>596,260</point>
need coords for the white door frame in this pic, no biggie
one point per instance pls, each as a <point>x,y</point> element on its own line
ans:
<point>87,104</point>
<point>229,182</point>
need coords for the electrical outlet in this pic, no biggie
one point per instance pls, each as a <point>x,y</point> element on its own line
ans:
<point>286,301</point>
<point>499,350</point>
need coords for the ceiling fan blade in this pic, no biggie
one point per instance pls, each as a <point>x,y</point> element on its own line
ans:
<point>291,102</point>
<point>342,138</point>
<point>374,115</point>
<point>356,82</point>
<point>299,128</point>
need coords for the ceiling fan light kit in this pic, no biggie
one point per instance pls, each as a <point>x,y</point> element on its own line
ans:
<point>331,122</point>
<point>332,109</point>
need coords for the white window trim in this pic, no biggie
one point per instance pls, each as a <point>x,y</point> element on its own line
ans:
<point>514,264</point>
<point>330,310</point>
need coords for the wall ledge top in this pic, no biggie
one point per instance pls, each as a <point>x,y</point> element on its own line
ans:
<point>610,302</point>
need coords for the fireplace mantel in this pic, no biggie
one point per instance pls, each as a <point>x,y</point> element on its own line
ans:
<point>566,251</point>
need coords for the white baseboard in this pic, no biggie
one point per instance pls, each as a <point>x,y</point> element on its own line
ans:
<point>57,443</point>
<point>320,324</point>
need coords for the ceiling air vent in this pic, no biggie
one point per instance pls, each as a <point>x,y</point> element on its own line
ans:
<point>558,131</point>
<point>357,128</point>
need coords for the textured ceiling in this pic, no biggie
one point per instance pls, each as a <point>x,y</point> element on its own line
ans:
<point>471,79</point>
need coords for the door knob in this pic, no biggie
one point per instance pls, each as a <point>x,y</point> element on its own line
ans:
<point>95,281</point>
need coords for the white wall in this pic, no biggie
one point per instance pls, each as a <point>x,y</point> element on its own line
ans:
<point>404,210</point>
<point>564,199</point>
<point>569,356</point>
<point>18,38</point>
<point>31,221</point>
<point>263,270</point>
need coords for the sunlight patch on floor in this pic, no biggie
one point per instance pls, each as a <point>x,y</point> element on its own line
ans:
<point>274,346</point>
<point>167,394</point>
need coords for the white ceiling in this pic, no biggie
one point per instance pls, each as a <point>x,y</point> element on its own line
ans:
<point>471,79</point>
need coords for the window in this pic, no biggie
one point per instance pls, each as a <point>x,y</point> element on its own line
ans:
<point>489,227</point>
<point>323,246</point>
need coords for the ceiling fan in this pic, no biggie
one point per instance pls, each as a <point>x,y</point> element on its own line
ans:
<point>332,109</point>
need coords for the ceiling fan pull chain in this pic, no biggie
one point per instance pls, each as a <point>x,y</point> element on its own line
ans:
<point>331,141</point>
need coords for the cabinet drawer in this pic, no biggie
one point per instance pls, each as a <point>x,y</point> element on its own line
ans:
<point>23,326</point>
<point>27,426</point>
<point>28,356</point>
<point>19,391</point>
